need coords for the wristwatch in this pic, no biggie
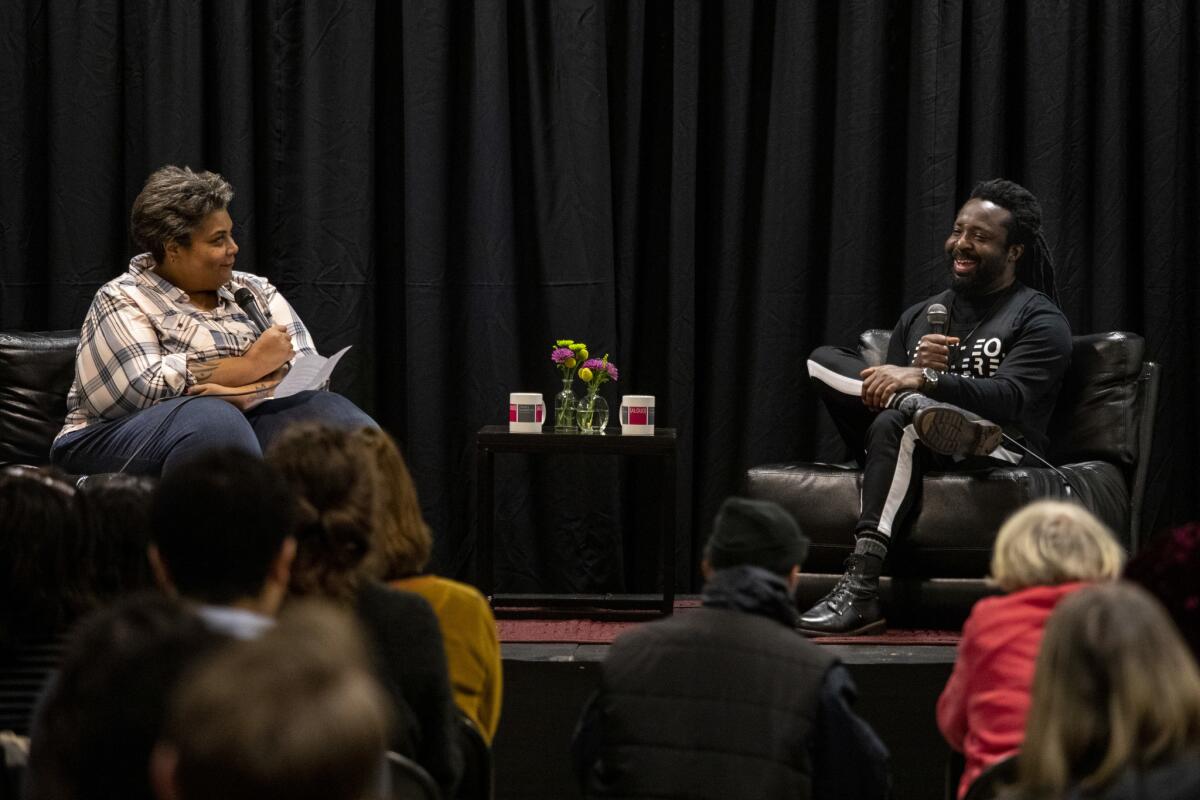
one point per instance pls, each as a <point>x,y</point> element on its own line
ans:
<point>931,378</point>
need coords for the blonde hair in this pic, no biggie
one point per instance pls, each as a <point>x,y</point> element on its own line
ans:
<point>402,541</point>
<point>1051,542</point>
<point>1114,687</point>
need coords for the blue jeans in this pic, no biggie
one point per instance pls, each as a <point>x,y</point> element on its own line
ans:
<point>156,439</point>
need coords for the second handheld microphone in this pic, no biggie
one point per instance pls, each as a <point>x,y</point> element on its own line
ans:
<point>245,298</point>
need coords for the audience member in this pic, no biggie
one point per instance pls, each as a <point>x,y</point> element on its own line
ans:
<point>104,711</point>
<point>114,513</point>
<point>340,509</point>
<point>43,585</point>
<point>292,715</point>
<point>1042,553</point>
<point>222,529</point>
<point>402,549</point>
<point>1169,568</point>
<point>14,757</point>
<point>728,700</point>
<point>1116,703</point>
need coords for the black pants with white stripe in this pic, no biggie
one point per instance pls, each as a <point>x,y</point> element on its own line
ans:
<point>883,442</point>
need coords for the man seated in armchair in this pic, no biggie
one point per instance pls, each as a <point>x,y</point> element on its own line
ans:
<point>975,385</point>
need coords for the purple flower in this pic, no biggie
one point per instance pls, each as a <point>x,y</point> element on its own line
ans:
<point>560,354</point>
<point>598,364</point>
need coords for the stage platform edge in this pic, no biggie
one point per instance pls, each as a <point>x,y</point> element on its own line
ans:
<point>547,684</point>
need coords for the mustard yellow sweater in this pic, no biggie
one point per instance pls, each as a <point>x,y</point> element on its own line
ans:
<point>472,646</point>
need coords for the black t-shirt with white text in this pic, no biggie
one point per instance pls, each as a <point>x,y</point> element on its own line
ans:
<point>1015,347</point>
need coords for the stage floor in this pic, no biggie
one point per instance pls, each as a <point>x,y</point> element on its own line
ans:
<point>527,624</point>
<point>551,667</point>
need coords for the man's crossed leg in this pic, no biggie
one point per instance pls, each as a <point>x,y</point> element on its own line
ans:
<point>895,446</point>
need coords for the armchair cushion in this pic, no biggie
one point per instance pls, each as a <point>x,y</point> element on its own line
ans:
<point>1097,410</point>
<point>956,521</point>
<point>36,370</point>
<point>1099,435</point>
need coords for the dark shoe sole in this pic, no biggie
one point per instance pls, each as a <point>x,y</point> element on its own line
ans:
<point>951,432</point>
<point>878,626</point>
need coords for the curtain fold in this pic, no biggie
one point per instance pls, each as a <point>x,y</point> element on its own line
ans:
<point>704,190</point>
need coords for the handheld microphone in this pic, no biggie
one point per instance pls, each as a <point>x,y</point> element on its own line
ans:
<point>936,315</point>
<point>244,298</point>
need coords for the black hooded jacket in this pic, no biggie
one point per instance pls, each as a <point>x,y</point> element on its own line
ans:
<point>726,701</point>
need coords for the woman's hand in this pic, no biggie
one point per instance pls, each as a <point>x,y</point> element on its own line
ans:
<point>880,383</point>
<point>272,350</point>
<point>262,361</point>
<point>240,396</point>
<point>934,351</point>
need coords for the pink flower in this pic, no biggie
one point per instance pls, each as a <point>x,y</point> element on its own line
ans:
<point>600,365</point>
<point>561,354</point>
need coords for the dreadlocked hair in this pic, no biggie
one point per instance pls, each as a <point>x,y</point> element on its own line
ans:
<point>1035,267</point>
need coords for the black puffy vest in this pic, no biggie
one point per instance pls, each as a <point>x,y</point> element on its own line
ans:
<point>711,703</point>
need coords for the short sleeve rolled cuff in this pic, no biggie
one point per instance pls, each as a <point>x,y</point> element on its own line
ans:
<point>175,372</point>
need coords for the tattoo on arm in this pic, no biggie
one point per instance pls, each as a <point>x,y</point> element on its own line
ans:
<point>263,389</point>
<point>202,372</point>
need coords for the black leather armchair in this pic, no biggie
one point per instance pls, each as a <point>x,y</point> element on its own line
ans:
<point>1100,438</point>
<point>36,370</point>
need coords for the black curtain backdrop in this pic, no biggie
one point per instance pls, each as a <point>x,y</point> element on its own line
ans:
<point>706,191</point>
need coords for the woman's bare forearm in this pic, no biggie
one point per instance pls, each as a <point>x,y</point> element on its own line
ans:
<point>240,396</point>
<point>232,371</point>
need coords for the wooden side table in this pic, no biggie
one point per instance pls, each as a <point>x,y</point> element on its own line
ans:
<point>493,439</point>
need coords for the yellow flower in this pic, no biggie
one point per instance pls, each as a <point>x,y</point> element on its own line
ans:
<point>570,362</point>
<point>582,355</point>
<point>585,374</point>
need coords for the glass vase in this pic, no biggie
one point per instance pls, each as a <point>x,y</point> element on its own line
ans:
<point>591,414</point>
<point>564,408</point>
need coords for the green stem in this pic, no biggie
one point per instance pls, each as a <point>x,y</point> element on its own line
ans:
<point>586,416</point>
<point>566,411</point>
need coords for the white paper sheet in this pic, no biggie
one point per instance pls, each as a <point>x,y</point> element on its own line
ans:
<point>307,372</point>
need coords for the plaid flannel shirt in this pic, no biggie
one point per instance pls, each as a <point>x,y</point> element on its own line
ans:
<point>141,335</point>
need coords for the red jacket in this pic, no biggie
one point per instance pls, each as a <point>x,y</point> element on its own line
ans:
<point>982,709</point>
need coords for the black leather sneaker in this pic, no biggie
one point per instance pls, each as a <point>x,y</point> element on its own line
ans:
<point>951,431</point>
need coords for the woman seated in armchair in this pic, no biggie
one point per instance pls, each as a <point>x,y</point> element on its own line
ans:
<point>168,361</point>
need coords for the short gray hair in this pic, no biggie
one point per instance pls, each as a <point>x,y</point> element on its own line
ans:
<point>172,203</point>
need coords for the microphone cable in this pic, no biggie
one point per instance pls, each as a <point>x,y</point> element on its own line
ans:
<point>1067,487</point>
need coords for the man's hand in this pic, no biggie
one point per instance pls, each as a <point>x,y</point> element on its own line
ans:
<point>934,351</point>
<point>880,383</point>
<point>272,350</point>
<point>240,396</point>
